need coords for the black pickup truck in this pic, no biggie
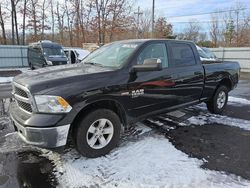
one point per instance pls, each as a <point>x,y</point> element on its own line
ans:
<point>115,86</point>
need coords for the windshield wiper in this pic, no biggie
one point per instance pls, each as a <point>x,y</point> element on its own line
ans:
<point>96,64</point>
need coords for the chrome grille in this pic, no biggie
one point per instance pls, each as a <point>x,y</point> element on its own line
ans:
<point>25,106</point>
<point>21,92</point>
<point>22,98</point>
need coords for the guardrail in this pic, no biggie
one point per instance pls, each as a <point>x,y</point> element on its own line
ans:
<point>239,54</point>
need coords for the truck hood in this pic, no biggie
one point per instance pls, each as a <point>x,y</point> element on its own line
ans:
<point>46,78</point>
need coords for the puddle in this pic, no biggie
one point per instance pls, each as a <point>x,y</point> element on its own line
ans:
<point>26,169</point>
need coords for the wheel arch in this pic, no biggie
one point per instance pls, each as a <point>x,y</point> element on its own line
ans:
<point>105,103</point>
<point>226,82</point>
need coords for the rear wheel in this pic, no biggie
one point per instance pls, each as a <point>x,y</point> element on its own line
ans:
<point>219,101</point>
<point>98,133</point>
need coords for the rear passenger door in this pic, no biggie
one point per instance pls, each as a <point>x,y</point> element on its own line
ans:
<point>188,73</point>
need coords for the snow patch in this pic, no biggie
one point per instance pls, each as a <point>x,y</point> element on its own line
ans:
<point>6,79</point>
<point>224,120</point>
<point>238,100</point>
<point>142,128</point>
<point>149,162</point>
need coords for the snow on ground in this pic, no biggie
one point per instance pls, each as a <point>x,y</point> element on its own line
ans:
<point>150,161</point>
<point>25,69</point>
<point>224,120</point>
<point>5,79</point>
<point>208,118</point>
<point>9,79</point>
<point>238,101</point>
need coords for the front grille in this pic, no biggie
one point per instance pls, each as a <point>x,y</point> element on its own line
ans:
<point>21,92</point>
<point>25,106</point>
<point>22,98</point>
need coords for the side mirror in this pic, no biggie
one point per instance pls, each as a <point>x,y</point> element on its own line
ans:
<point>148,65</point>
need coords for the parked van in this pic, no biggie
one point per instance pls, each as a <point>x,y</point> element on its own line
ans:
<point>46,53</point>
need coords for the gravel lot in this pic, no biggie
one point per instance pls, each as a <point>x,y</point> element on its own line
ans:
<point>185,148</point>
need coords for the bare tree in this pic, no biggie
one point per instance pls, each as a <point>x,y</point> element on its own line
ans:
<point>52,19</point>
<point>103,11</point>
<point>89,9</point>
<point>120,9</point>
<point>2,18</point>
<point>24,13</point>
<point>70,17</point>
<point>192,31</point>
<point>60,13</point>
<point>34,20</point>
<point>145,23</point>
<point>43,17</point>
<point>215,29</point>
<point>14,22</point>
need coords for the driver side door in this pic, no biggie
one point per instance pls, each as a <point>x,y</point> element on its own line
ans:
<point>150,90</point>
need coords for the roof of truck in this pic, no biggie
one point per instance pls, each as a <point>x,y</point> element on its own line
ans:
<point>146,40</point>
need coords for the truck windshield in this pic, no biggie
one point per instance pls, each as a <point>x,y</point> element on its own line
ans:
<point>112,55</point>
<point>53,52</point>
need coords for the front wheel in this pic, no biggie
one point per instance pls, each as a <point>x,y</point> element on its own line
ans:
<point>219,101</point>
<point>98,133</point>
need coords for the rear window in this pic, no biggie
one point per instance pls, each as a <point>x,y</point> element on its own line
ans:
<point>182,55</point>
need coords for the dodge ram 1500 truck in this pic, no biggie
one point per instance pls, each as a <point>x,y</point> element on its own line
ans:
<point>115,86</point>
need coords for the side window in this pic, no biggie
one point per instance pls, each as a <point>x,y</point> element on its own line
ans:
<point>157,51</point>
<point>182,55</point>
<point>36,57</point>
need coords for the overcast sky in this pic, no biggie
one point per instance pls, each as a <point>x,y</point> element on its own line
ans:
<point>173,8</point>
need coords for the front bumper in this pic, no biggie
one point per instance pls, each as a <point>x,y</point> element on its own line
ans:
<point>47,137</point>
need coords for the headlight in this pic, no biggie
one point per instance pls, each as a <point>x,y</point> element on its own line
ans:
<point>52,104</point>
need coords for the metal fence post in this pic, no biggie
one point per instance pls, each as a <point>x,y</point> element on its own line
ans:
<point>2,107</point>
<point>21,55</point>
<point>223,54</point>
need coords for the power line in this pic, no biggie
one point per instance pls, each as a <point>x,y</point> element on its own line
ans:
<point>202,21</point>
<point>168,7</point>
<point>204,13</point>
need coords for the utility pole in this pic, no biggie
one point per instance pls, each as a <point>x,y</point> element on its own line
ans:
<point>138,21</point>
<point>153,19</point>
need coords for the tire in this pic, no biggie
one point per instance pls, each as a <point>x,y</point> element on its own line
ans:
<point>90,133</point>
<point>31,67</point>
<point>217,104</point>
